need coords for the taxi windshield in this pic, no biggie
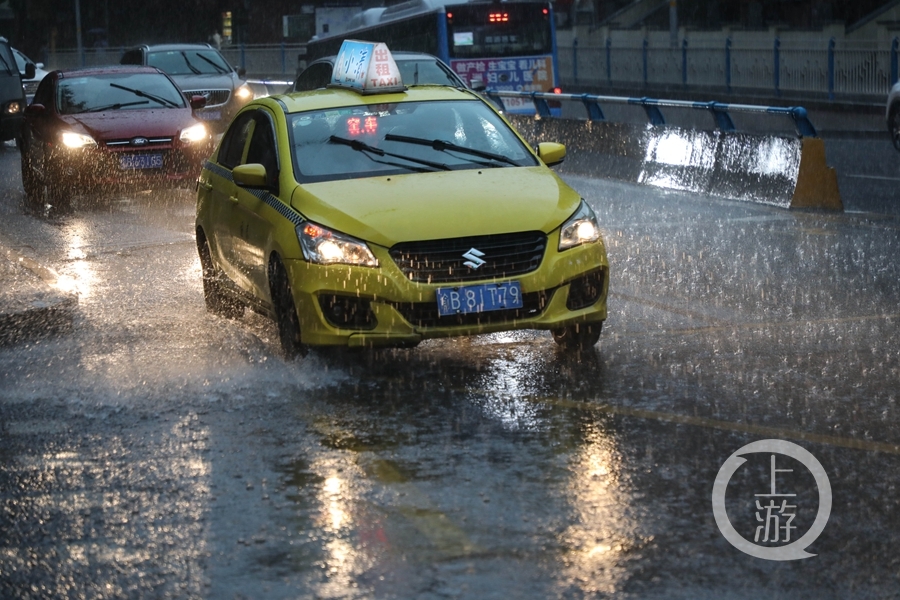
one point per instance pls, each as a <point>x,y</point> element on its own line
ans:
<point>403,137</point>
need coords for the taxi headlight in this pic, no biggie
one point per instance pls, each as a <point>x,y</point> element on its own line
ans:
<point>13,108</point>
<point>581,228</point>
<point>244,93</point>
<point>194,133</point>
<point>70,139</point>
<point>326,247</point>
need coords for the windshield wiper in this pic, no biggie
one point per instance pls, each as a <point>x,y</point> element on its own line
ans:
<point>364,147</point>
<point>193,69</point>
<point>115,106</point>
<point>143,94</point>
<point>443,146</point>
<point>217,67</point>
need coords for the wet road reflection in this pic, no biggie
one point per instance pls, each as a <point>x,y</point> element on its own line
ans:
<point>160,451</point>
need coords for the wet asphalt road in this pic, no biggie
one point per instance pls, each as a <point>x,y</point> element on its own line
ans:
<point>157,451</point>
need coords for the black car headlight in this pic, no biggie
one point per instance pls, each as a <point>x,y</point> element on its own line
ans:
<point>581,228</point>
<point>325,247</point>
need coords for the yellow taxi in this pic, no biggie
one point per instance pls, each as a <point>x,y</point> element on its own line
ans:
<point>370,213</point>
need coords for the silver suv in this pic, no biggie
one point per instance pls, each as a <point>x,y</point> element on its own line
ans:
<point>198,69</point>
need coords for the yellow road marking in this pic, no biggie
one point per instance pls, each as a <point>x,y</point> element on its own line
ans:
<point>761,430</point>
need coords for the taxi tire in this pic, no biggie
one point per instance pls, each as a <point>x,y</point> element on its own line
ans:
<point>217,301</point>
<point>285,311</point>
<point>578,337</point>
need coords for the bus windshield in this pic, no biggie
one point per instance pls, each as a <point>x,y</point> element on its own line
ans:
<point>498,30</point>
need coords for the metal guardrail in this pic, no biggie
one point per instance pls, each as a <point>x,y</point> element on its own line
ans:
<point>719,110</point>
<point>833,69</point>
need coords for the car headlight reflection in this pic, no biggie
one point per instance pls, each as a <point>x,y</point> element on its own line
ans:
<point>194,133</point>
<point>581,228</point>
<point>70,139</point>
<point>326,247</point>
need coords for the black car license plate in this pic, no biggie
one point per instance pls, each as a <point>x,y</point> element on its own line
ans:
<point>479,298</point>
<point>141,161</point>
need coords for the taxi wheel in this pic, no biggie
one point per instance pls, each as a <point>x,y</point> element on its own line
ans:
<point>578,337</point>
<point>285,311</point>
<point>217,301</point>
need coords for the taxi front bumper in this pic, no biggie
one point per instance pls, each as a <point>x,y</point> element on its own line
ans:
<point>359,306</point>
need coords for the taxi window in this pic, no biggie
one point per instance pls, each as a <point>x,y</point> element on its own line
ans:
<point>262,148</point>
<point>362,141</point>
<point>235,140</point>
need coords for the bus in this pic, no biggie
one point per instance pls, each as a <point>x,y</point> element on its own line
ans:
<point>494,45</point>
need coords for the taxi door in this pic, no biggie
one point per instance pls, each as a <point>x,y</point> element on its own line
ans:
<point>223,192</point>
<point>253,215</point>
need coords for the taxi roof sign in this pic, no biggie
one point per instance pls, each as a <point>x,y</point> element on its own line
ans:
<point>366,67</point>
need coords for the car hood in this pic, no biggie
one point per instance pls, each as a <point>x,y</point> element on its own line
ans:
<point>199,83</point>
<point>402,208</point>
<point>120,124</point>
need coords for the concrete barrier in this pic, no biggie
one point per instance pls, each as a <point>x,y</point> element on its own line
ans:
<point>781,170</point>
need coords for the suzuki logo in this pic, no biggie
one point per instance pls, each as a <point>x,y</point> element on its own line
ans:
<point>474,257</point>
<point>139,141</point>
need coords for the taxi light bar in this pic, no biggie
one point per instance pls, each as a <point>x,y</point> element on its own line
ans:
<point>366,68</point>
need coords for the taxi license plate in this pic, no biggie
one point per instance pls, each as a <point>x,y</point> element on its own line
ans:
<point>479,298</point>
<point>141,161</point>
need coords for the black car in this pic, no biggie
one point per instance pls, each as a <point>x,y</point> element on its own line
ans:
<point>416,68</point>
<point>12,95</point>
<point>199,70</point>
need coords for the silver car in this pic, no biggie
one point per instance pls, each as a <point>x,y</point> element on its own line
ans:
<point>199,70</point>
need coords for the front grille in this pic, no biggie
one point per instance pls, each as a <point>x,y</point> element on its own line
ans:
<point>425,314</point>
<point>499,256</point>
<point>213,97</point>
<point>150,142</point>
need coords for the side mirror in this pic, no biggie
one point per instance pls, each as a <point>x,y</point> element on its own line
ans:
<point>198,101</point>
<point>242,72</point>
<point>477,85</point>
<point>252,175</point>
<point>34,110</point>
<point>551,153</point>
<point>30,71</point>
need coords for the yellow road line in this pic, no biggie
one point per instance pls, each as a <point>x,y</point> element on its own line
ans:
<point>761,430</point>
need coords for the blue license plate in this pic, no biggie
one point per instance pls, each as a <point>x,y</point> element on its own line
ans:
<point>479,298</point>
<point>141,161</point>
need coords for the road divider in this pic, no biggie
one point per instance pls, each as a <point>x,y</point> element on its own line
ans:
<point>784,170</point>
